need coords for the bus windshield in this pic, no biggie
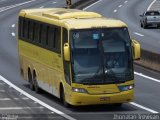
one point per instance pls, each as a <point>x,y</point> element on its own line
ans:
<point>101,56</point>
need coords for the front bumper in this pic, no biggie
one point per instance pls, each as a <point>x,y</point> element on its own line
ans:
<point>78,99</point>
<point>153,22</point>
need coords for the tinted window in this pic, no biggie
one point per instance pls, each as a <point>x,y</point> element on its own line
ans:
<point>25,29</point>
<point>36,32</point>
<point>31,28</point>
<point>51,34</point>
<point>20,26</point>
<point>57,39</point>
<point>42,34</point>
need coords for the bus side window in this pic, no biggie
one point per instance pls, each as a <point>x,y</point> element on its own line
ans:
<point>31,28</point>
<point>40,32</point>
<point>43,34</point>
<point>36,32</point>
<point>57,40</point>
<point>47,29</point>
<point>51,37</point>
<point>20,28</point>
<point>25,29</point>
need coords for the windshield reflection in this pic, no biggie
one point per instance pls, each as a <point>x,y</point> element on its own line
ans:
<point>101,56</point>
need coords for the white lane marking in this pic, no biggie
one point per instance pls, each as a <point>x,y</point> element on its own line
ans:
<point>125,1</point>
<point>37,100</point>
<point>7,99</point>
<point>138,34</point>
<point>25,98</point>
<point>13,34</point>
<point>92,4</point>
<point>13,25</point>
<point>115,11</point>
<point>16,5</point>
<point>120,6</point>
<point>2,0</point>
<point>149,7</point>
<point>3,7</point>
<point>6,7</point>
<point>54,2</point>
<point>145,76</point>
<point>145,108</point>
<point>19,108</point>
<point>41,7</point>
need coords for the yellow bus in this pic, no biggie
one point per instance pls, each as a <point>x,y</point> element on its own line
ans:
<point>80,57</point>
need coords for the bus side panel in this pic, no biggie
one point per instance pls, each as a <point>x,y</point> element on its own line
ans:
<point>47,64</point>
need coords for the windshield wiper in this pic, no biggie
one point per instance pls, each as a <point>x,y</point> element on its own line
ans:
<point>92,80</point>
<point>111,75</point>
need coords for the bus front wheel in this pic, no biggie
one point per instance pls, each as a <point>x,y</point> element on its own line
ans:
<point>118,104</point>
<point>36,86</point>
<point>31,85</point>
<point>62,97</point>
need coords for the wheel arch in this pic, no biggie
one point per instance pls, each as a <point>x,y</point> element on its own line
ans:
<point>61,87</point>
<point>29,72</point>
<point>34,73</point>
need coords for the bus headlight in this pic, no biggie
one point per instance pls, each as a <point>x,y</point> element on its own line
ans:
<point>125,87</point>
<point>80,90</point>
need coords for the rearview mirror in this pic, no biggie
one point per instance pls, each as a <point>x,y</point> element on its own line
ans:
<point>66,52</point>
<point>136,50</point>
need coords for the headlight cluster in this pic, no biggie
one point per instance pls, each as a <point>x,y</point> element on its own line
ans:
<point>125,87</point>
<point>80,90</point>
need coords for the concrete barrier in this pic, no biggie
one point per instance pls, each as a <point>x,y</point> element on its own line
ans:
<point>150,56</point>
<point>149,60</point>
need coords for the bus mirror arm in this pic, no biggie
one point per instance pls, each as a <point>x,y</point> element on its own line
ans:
<point>136,49</point>
<point>66,52</point>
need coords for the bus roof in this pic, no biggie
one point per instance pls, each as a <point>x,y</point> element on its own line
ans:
<point>71,18</point>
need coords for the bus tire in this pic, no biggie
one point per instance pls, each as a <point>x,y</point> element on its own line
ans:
<point>30,80</point>
<point>141,25</point>
<point>118,104</point>
<point>36,86</point>
<point>145,26</point>
<point>62,97</point>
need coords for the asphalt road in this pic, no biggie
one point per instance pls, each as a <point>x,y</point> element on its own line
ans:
<point>147,96</point>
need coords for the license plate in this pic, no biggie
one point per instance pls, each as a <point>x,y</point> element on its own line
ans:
<point>104,98</point>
